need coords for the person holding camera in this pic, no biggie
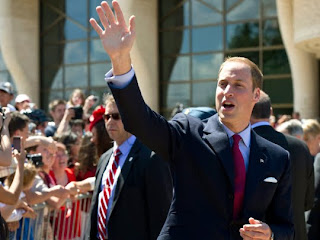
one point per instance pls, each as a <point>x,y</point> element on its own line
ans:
<point>77,99</point>
<point>5,143</point>
<point>10,163</point>
<point>44,188</point>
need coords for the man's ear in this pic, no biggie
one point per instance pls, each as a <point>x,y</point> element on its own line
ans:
<point>256,94</point>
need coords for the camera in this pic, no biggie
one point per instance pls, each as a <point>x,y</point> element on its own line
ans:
<point>36,159</point>
<point>78,112</point>
<point>95,98</point>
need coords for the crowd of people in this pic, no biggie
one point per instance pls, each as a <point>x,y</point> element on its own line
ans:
<point>230,173</point>
<point>48,160</point>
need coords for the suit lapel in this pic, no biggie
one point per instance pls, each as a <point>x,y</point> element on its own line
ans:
<point>132,156</point>
<point>219,142</point>
<point>102,168</point>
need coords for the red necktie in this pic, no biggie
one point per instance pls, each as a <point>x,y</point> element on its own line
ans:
<point>102,211</point>
<point>239,176</point>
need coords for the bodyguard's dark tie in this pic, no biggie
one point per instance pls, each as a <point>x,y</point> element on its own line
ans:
<point>239,176</point>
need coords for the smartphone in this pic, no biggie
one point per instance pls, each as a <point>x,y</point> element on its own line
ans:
<point>16,144</point>
<point>78,112</point>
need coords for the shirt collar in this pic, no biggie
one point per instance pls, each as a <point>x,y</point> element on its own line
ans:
<point>262,123</point>
<point>125,147</point>
<point>245,134</point>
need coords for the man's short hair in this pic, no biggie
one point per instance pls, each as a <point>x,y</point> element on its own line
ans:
<point>256,74</point>
<point>18,122</point>
<point>262,109</point>
<point>108,98</point>
<point>53,104</point>
<point>292,127</point>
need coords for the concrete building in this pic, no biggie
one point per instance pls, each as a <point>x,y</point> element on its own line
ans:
<point>48,48</point>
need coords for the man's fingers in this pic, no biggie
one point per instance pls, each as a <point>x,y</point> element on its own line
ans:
<point>246,235</point>
<point>254,221</point>
<point>118,13</point>
<point>108,12</point>
<point>132,25</point>
<point>96,26</point>
<point>102,17</point>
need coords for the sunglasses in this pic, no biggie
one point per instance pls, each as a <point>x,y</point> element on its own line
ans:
<point>114,116</point>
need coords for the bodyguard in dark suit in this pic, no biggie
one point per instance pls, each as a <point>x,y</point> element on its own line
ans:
<point>141,196</point>
<point>301,163</point>
<point>229,183</point>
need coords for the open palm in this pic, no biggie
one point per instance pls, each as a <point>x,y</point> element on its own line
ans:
<point>116,37</point>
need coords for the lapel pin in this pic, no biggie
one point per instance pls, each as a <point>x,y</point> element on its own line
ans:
<point>261,160</point>
<point>130,159</point>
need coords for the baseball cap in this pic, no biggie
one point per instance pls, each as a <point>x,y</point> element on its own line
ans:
<point>6,87</point>
<point>200,112</point>
<point>22,97</point>
<point>37,116</point>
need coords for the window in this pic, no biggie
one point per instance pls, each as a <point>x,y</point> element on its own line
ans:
<point>195,37</point>
<point>72,55</point>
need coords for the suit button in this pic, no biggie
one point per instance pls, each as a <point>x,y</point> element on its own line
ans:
<point>230,196</point>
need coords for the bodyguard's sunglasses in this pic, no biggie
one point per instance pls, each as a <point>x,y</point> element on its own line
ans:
<point>114,116</point>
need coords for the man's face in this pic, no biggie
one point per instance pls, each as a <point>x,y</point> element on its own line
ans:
<point>234,95</point>
<point>114,127</point>
<point>58,112</point>
<point>23,105</point>
<point>4,98</point>
<point>24,133</point>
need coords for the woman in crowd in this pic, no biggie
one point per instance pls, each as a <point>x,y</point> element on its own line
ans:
<point>67,224</point>
<point>72,142</point>
<point>77,98</point>
<point>100,136</point>
<point>88,159</point>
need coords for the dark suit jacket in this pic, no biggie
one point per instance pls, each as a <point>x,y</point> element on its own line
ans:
<point>302,175</point>
<point>313,217</point>
<point>142,197</point>
<point>202,165</point>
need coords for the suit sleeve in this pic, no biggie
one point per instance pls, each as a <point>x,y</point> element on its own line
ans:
<point>158,193</point>
<point>150,127</point>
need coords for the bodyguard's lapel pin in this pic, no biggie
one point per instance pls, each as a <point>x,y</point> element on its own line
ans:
<point>130,159</point>
<point>261,160</point>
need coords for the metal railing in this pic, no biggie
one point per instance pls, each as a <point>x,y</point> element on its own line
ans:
<point>66,223</point>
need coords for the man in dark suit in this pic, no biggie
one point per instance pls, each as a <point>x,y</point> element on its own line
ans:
<point>301,163</point>
<point>229,183</point>
<point>140,189</point>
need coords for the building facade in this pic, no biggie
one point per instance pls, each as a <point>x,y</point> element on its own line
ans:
<point>48,48</point>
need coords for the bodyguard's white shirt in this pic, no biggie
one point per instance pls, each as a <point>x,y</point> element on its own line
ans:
<point>124,149</point>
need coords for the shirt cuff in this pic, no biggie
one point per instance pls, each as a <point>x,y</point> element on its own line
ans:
<point>119,81</point>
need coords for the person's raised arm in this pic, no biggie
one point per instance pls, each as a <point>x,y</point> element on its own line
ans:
<point>117,38</point>
<point>5,144</point>
<point>11,195</point>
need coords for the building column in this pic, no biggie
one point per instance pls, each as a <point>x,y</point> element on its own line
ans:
<point>145,50</point>
<point>19,42</point>
<point>304,68</point>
